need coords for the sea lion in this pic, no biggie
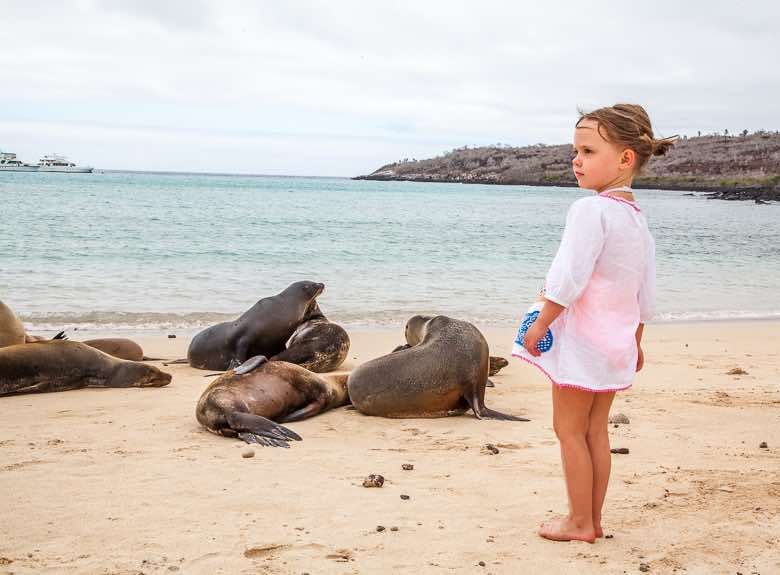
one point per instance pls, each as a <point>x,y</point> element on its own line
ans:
<point>11,329</point>
<point>60,365</point>
<point>243,402</point>
<point>263,330</point>
<point>443,372</point>
<point>413,331</point>
<point>120,347</point>
<point>317,345</point>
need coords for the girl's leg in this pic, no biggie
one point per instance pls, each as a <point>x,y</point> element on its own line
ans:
<point>600,456</point>
<point>571,419</point>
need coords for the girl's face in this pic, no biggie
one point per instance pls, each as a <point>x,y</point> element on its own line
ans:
<point>598,164</point>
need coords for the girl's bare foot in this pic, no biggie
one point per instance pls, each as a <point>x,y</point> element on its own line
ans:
<point>564,529</point>
<point>599,531</point>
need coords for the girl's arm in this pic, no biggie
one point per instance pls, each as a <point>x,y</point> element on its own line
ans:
<point>550,310</point>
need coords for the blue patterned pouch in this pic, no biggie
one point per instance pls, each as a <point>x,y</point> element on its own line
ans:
<point>544,344</point>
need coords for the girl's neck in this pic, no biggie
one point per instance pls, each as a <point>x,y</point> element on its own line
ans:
<point>620,187</point>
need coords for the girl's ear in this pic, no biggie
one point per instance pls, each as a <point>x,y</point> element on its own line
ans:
<point>628,159</point>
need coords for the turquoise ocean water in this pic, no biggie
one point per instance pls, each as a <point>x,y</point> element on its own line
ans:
<point>138,251</point>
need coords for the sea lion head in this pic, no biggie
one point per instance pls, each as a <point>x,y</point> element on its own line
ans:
<point>137,374</point>
<point>308,292</point>
<point>337,389</point>
<point>415,329</point>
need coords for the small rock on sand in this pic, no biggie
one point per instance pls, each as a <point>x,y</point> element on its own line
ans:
<point>380,528</point>
<point>394,529</point>
<point>247,453</point>
<point>374,480</point>
<point>763,445</point>
<point>171,336</point>
<point>407,466</point>
<point>620,450</point>
<point>490,448</point>
<point>404,497</point>
<point>737,371</point>
<point>644,567</point>
<point>619,418</point>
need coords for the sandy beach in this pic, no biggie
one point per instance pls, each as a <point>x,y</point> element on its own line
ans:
<point>126,481</point>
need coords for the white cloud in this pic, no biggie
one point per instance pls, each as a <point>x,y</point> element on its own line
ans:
<point>342,87</point>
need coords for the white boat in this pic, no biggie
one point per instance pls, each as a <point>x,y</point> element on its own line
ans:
<point>9,163</point>
<point>55,163</point>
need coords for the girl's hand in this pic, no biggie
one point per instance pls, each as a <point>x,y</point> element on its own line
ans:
<point>640,360</point>
<point>532,337</point>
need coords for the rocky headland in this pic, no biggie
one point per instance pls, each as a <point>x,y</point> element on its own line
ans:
<point>729,167</point>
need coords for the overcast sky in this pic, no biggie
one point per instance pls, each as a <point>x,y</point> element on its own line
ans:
<point>341,87</point>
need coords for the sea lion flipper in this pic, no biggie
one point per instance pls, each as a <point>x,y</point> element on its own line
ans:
<point>309,410</point>
<point>250,437</point>
<point>497,364</point>
<point>60,335</point>
<point>251,364</point>
<point>259,425</point>
<point>488,413</point>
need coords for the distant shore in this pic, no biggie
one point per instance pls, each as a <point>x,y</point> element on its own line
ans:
<point>745,167</point>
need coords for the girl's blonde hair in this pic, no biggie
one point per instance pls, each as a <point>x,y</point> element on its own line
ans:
<point>629,125</point>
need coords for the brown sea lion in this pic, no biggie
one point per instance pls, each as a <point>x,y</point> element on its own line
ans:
<point>120,347</point>
<point>443,372</point>
<point>60,365</point>
<point>11,329</point>
<point>318,345</point>
<point>249,401</point>
<point>262,330</point>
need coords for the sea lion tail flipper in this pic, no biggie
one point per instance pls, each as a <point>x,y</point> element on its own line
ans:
<point>248,423</point>
<point>261,440</point>
<point>251,364</point>
<point>488,413</point>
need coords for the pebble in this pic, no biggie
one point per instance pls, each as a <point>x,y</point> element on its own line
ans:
<point>491,448</point>
<point>620,450</point>
<point>171,336</point>
<point>608,536</point>
<point>644,567</point>
<point>394,529</point>
<point>737,371</point>
<point>404,497</point>
<point>481,563</point>
<point>763,445</point>
<point>247,453</point>
<point>374,480</point>
<point>407,467</point>
<point>380,528</point>
<point>619,418</point>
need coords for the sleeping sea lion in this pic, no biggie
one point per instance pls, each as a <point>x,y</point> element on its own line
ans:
<point>248,401</point>
<point>60,365</point>
<point>318,344</point>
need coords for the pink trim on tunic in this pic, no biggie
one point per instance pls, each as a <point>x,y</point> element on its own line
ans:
<point>606,194</point>
<point>572,385</point>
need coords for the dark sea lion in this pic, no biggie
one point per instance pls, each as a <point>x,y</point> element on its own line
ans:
<point>413,331</point>
<point>249,401</point>
<point>11,329</point>
<point>444,371</point>
<point>263,330</point>
<point>318,344</point>
<point>59,365</point>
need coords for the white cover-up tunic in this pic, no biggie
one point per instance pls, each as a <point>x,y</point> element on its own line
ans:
<point>604,274</point>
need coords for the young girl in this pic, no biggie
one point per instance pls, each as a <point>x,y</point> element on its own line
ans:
<point>586,331</point>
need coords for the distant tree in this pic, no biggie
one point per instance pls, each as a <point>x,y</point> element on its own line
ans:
<point>744,133</point>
